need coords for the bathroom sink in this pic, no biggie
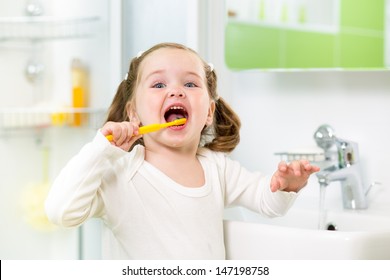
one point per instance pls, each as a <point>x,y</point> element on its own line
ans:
<point>347,235</point>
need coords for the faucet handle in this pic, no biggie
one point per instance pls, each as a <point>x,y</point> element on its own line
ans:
<point>325,137</point>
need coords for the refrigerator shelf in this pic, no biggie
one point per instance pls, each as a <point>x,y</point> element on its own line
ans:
<point>47,27</point>
<point>26,118</point>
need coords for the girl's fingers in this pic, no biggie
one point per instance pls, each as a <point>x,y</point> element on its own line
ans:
<point>124,133</point>
<point>300,167</point>
<point>282,166</point>
<point>311,168</point>
<point>127,133</point>
<point>119,140</point>
<point>296,167</point>
<point>292,176</point>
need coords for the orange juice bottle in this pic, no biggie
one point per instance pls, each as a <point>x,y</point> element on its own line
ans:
<point>79,91</point>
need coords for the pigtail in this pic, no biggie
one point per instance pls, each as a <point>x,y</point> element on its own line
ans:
<point>124,96</point>
<point>117,111</point>
<point>224,135</point>
<point>226,127</point>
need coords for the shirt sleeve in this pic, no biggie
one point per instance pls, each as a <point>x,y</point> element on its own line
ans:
<point>74,196</point>
<point>252,190</point>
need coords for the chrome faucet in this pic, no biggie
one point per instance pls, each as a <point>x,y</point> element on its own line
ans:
<point>343,166</point>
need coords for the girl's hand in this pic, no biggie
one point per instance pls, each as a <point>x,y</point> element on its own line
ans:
<point>124,133</point>
<point>293,176</point>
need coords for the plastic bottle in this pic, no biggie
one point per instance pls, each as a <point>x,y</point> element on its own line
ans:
<point>79,91</point>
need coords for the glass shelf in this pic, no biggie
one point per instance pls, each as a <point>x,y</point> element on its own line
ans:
<point>26,118</point>
<point>46,27</point>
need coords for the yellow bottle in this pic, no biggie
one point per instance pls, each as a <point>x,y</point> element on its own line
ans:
<point>79,91</point>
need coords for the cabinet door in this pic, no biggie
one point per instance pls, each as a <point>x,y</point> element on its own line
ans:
<point>303,34</point>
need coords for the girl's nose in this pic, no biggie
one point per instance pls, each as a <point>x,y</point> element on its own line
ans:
<point>177,93</point>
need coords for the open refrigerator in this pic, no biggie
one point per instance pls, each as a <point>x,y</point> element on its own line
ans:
<point>47,114</point>
<point>41,124</point>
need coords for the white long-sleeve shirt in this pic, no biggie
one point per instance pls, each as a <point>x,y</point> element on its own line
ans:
<point>146,214</point>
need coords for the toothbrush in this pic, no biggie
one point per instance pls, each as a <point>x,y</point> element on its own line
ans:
<point>154,127</point>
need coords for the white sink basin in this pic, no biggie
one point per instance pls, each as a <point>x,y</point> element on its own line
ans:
<point>359,235</point>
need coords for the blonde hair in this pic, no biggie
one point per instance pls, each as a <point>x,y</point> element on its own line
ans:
<point>222,136</point>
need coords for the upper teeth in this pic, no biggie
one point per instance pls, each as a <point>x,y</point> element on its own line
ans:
<point>176,108</point>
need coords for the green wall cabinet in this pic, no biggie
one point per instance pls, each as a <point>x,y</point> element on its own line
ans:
<point>353,38</point>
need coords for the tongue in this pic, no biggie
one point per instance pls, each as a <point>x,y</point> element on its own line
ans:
<point>173,117</point>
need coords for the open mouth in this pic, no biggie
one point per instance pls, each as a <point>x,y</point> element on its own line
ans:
<point>175,113</point>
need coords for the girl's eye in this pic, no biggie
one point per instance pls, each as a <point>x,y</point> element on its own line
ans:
<point>159,85</point>
<point>190,84</point>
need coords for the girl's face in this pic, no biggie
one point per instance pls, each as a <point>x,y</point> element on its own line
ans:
<point>172,85</point>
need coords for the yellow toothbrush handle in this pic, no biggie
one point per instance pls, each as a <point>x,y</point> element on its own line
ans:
<point>153,127</point>
<point>142,130</point>
<point>149,128</point>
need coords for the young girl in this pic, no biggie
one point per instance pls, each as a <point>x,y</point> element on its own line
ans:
<point>162,195</point>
